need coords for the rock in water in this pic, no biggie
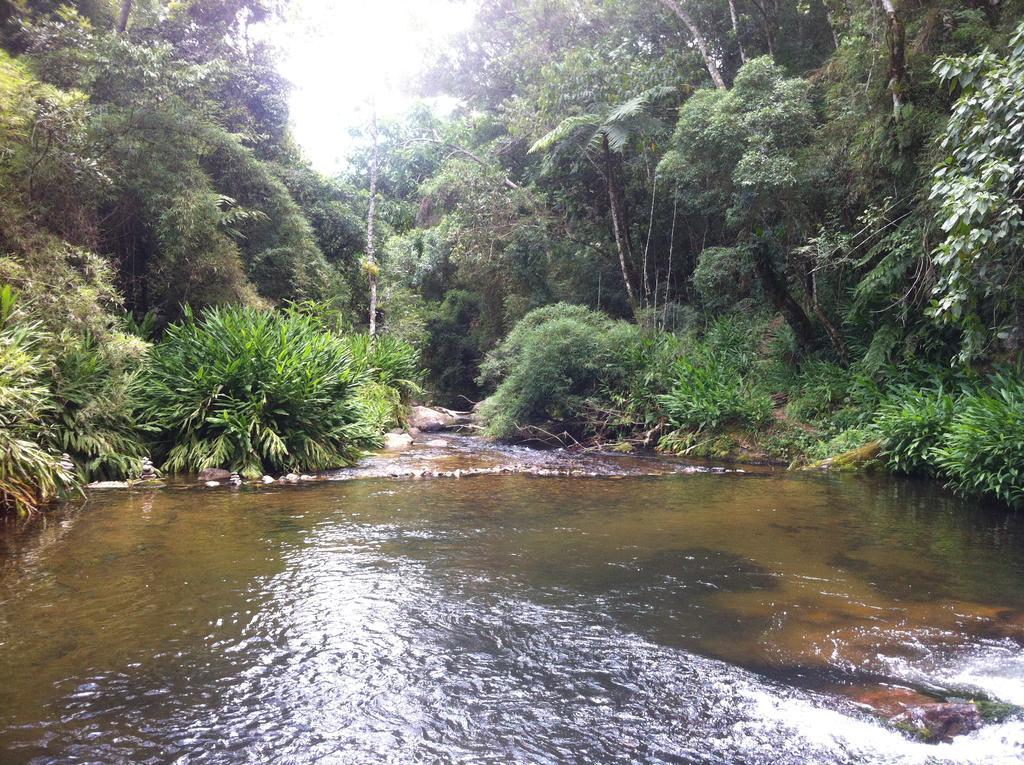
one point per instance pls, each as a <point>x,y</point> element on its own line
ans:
<point>267,479</point>
<point>430,420</point>
<point>211,484</point>
<point>439,443</point>
<point>214,474</point>
<point>394,441</point>
<point>941,722</point>
<point>108,485</point>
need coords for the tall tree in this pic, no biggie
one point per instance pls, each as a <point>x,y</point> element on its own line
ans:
<point>122,20</point>
<point>372,269</point>
<point>736,157</point>
<point>699,40</point>
<point>603,137</point>
<point>896,37</point>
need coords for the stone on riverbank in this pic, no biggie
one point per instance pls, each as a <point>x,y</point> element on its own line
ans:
<point>432,419</point>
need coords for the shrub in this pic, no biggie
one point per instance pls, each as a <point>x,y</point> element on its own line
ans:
<point>820,387</point>
<point>552,368</point>
<point>910,423</point>
<point>30,474</point>
<point>96,399</point>
<point>254,391</point>
<point>455,345</point>
<point>723,277</point>
<point>645,363</point>
<point>390,367</point>
<point>508,353</point>
<point>708,391</point>
<point>982,450</point>
<point>387,360</point>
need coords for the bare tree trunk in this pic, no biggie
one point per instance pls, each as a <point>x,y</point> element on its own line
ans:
<point>371,215</point>
<point>896,35</point>
<point>619,226</point>
<point>699,40</point>
<point>736,30</point>
<point>126,11</point>
<point>647,248</point>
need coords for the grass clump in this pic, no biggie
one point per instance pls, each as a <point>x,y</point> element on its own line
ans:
<point>255,391</point>
<point>708,392</point>
<point>982,448</point>
<point>910,422</point>
<point>391,374</point>
<point>30,472</point>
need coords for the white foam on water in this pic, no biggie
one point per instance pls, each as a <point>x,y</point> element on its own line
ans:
<point>998,673</point>
<point>861,740</point>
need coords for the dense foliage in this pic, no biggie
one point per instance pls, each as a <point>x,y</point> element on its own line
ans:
<point>777,230</point>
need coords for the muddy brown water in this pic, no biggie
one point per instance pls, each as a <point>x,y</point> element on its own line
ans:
<point>656,614</point>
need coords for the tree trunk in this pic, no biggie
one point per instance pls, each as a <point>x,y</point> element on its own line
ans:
<point>896,35</point>
<point>768,19</point>
<point>781,298</point>
<point>371,215</point>
<point>619,226</point>
<point>126,11</point>
<point>699,40</point>
<point>811,285</point>
<point>736,30</point>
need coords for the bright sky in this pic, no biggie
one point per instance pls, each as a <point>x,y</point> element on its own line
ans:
<point>340,54</point>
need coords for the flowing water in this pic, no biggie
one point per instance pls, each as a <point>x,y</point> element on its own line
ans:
<point>656,615</point>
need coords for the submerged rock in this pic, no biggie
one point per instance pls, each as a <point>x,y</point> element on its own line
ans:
<point>890,700</point>
<point>437,443</point>
<point>214,474</point>
<point>211,484</point>
<point>940,721</point>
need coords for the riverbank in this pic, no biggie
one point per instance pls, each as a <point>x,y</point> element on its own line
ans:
<point>730,391</point>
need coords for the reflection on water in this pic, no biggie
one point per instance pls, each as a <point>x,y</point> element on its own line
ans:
<point>694,618</point>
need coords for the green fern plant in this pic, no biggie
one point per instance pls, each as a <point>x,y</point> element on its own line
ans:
<point>982,449</point>
<point>30,474</point>
<point>96,402</point>
<point>910,423</point>
<point>255,391</point>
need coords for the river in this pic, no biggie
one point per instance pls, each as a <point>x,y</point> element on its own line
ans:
<point>660,613</point>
